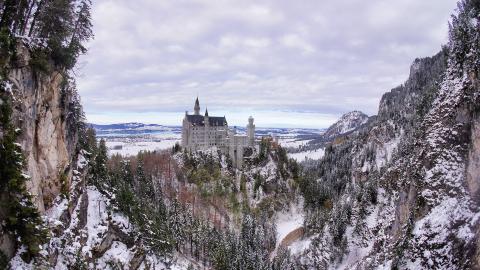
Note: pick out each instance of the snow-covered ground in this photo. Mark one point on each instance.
(291, 141)
(126, 148)
(302, 156)
(128, 139)
(299, 246)
(288, 221)
(130, 144)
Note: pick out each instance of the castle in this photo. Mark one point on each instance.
(201, 132)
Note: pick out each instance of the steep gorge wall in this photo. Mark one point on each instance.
(420, 160)
(39, 111)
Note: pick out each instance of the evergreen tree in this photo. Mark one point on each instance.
(126, 173)
(464, 37)
(145, 183)
(283, 260)
(59, 28)
(82, 30)
(101, 177)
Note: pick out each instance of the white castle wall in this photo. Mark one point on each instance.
(196, 137)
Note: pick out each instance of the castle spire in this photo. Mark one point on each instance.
(196, 108)
(206, 111)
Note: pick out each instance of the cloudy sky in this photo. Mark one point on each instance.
(287, 63)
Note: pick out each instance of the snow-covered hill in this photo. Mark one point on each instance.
(312, 147)
(347, 123)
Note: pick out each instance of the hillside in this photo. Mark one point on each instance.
(401, 192)
(347, 123)
(311, 147)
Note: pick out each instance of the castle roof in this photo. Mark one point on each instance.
(199, 120)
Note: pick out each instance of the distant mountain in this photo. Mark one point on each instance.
(133, 125)
(347, 123)
(133, 129)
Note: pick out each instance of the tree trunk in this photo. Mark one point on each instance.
(8, 12)
(35, 17)
(75, 29)
(27, 17)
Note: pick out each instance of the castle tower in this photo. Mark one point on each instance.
(251, 132)
(196, 109)
(207, 129)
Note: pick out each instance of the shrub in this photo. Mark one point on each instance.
(39, 61)
(64, 188)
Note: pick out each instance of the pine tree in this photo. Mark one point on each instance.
(82, 30)
(464, 37)
(101, 177)
(283, 260)
(145, 183)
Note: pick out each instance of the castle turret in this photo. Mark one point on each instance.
(196, 108)
(205, 118)
(206, 122)
(251, 132)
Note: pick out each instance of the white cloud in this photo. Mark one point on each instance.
(296, 42)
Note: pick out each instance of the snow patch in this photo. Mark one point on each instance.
(303, 156)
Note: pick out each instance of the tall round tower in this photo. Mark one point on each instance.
(251, 132)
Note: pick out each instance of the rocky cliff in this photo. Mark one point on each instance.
(42, 112)
(402, 192)
(40, 103)
(83, 230)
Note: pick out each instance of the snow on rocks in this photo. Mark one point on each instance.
(385, 151)
(81, 160)
(289, 227)
(97, 215)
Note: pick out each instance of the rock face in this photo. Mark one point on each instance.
(407, 183)
(40, 113)
(473, 165)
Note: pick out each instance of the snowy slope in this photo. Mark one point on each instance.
(408, 202)
(86, 231)
(347, 123)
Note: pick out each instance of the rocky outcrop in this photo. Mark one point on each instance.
(114, 233)
(291, 237)
(40, 113)
(39, 102)
(473, 166)
(410, 192)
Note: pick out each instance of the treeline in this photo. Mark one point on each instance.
(328, 193)
(165, 225)
(56, 29)
(54, 32)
